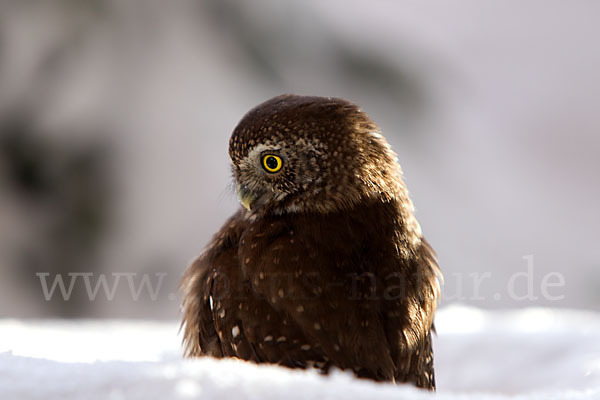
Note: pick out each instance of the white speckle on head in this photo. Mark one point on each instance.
(281, 293)
(235, 331)
(305, 347)
(336, 347)
(300, 308)
(222, 313)
(268, 338)
(281, 339)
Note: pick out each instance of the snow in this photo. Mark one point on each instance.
(521, 354)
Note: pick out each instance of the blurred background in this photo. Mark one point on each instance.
(115, 117)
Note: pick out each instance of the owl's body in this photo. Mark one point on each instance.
(327, 267)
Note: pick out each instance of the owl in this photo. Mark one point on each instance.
(324, 264)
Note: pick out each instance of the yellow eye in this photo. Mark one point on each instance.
(272, 163)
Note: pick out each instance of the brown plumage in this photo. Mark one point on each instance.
(326, 266)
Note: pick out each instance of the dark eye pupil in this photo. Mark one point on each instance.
(271, 162)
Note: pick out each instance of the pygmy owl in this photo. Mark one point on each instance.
(325, 264)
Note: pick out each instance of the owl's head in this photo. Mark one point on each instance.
(311, 154)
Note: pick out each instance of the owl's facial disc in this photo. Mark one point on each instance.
(261, 176)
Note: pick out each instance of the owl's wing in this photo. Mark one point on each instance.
(408, 320)
(223, 316)
(202, 288)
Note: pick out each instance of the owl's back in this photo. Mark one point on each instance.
(346, 289)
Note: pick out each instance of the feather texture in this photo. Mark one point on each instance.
(348, 283)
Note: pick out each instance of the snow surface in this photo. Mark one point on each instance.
(522, 354)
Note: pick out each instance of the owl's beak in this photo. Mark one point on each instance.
(247, 197)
